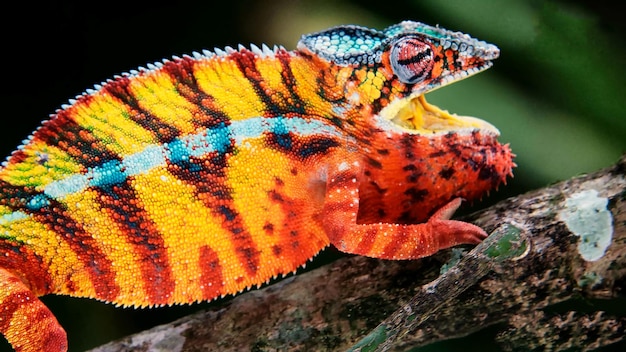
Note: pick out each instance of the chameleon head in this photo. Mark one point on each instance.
(406, 61)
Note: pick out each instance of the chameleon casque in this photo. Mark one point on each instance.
(207, 174)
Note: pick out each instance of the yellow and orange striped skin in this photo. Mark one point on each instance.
(205, 175)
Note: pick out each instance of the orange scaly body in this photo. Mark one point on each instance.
(205, 175)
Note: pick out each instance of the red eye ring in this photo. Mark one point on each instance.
(411, 59)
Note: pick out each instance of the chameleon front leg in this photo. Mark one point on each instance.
(386, 240)
(25, 321)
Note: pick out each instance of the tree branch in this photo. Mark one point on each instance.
(564, 228)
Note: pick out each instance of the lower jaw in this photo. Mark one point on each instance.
(415, 115)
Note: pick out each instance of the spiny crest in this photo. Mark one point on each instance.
(262, 52)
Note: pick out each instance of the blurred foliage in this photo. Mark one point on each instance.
(556, 93)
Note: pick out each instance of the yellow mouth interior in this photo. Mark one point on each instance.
(421, 117)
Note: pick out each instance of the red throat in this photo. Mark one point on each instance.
(414, 175)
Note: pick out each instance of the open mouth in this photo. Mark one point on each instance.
(415, 115)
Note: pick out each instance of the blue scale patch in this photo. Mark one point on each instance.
(109, 173)
(281, 133)
(146, 160)
(37, 202)
(346, 45)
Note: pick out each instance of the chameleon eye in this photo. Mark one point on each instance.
(411, 60)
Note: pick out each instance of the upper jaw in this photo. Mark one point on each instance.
(449, 78)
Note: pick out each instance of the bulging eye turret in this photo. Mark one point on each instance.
(411, 59)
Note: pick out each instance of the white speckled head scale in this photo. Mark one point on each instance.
(346, 45)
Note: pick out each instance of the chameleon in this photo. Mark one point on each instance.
(207, 174)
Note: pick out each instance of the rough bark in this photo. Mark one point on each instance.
(334, 307)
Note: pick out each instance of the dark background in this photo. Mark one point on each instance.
(556, 93)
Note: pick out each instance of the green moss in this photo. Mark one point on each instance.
(371, 341)
(511, 244)
(589, 279)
